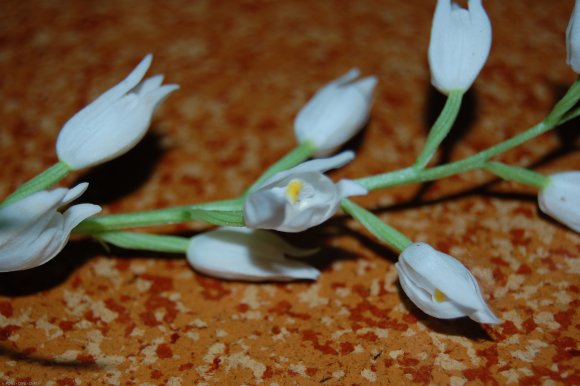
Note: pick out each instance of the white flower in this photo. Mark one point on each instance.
(573, 39)
(299, 198)
(336, 113)
(114, 122)
(32, 231)
(248, 254)
(561, 198)
(440, 285)
(459, 46)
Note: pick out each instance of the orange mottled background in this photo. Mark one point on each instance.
(98, 317)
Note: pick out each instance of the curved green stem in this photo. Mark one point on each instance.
(440, 128)
(228, 212)
(517, 174)
(560, 113)
(381, 230)
(47, 178)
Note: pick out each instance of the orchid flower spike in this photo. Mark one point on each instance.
(335, 113)
(459, 46)
(440, 285)
(560, 199)
(32, 231)
(573, 39)
(114, 122)
(299, 198)
(249, 255)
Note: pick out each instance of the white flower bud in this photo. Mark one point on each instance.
(114, 122)
(561, 198)
(248, 254)
(573, 39)
(32, 231)
(459, 46)
(335, 113)
(440, 285)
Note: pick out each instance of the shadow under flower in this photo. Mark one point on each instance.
(120, 177)
(51, 274)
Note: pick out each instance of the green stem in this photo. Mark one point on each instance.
(381, 230)
(564, 105)
(228, 212)
(517, 174)
(476, 161)
(440, 128)
(298, 155)
(42, 181)
(144, 241)
(408, 175)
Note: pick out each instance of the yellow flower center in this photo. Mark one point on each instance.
(293, 190)
(439, 296)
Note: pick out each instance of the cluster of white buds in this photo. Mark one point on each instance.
(33, 229)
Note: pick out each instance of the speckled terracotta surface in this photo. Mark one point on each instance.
(92, 317)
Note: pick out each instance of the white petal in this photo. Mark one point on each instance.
(241, 254)
(366, 86)
(75, 192)
(459, 46)
(561, 198)
(423, 299)
(347, 188)
(335, 113)
(148, 85)
(114, 123)
(423, 267)
(573, 39)
(33, 231)
(351, 75)
(130, 82)
(322, 165)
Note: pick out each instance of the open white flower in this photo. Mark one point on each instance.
(335, 113)
(440, 285)
(248, 254)
(33, 231)
(573, 39)
(459, 46)
(561, 198)
(299, 198)
(114, 122)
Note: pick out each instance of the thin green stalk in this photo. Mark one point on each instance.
(298, 155)
(47, 178)
(476, 161)
(440, 128)
(564, 105)
(227, 212)
(558, 115)
(381, 230)
(517, 174)
(146, 242)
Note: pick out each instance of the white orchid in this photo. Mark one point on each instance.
(33, 231)
(459, 46)
(248, 254)
(440, 285)
(335, 113)
(114, 122)
(573, 39)
(560, 199)
(299, 198)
